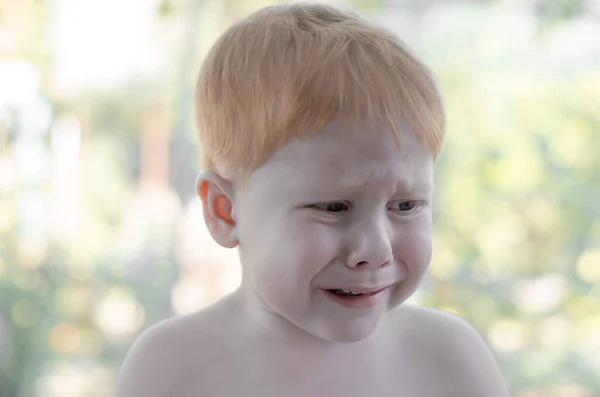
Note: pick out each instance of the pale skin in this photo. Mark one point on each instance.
(345, 209)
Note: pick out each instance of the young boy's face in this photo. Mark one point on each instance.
(344, 210)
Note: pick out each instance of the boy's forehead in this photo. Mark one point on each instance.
(344, 147)
(343, 159)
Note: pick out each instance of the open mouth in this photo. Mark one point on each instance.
(356, 298)
(348, 293)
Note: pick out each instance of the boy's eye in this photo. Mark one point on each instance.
(332, 207)
(336, 207)
(406, 206)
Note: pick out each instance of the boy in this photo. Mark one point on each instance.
(319, 133)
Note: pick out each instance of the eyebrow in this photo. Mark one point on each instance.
(348, 187)
(418, 188)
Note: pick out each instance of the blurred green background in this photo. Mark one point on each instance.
(101, 234)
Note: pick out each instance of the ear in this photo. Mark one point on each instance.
(217, 202)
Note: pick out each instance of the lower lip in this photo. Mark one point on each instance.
(357, 301)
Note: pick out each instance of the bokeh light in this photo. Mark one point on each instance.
(119, 316)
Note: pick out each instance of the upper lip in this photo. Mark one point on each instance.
(362, 289)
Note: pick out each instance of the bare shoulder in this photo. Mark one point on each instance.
(463, 361)
(161, 359)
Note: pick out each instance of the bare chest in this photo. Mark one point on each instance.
(346, 379)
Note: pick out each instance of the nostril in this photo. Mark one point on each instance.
(366, 263)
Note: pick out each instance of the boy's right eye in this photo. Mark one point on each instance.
(332, 207)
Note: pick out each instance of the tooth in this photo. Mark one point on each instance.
(342, 291)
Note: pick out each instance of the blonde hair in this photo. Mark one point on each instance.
(287, 71)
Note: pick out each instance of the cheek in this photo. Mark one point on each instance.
(309, 245)
(316, 245)
(288, 250)
(414, 245)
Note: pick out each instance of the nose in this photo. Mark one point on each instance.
(371, 246)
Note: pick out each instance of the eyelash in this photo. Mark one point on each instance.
(345, 206)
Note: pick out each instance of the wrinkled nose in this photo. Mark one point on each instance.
(371, 246)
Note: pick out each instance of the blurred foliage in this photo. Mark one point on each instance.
(552, 12)
(517, 215)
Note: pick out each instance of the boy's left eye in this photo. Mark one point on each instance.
(406, 206)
